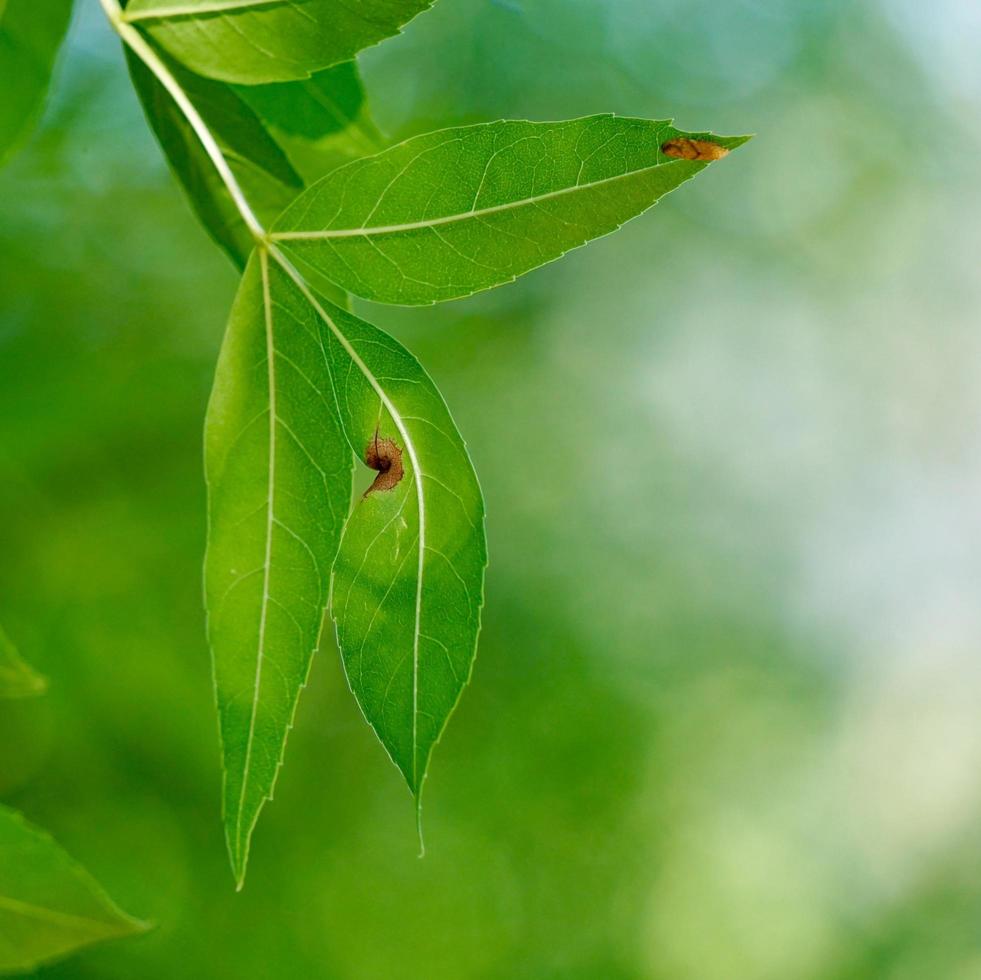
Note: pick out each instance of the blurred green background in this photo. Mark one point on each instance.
(724, 721)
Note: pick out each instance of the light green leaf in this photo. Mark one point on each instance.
(322, 122)
(408, 580)
(450, 213)
(255, 41)
(302, 387)
(255, 158)
(49, 905)
(17, 680)
(279, 479)
(31, 32)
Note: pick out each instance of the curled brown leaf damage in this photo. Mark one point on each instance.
(687, 149)
(385, 456)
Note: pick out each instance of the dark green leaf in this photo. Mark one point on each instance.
(31, 32)
(49, 905)
(255, 41)
(17, 680)
(322, 122)
(258, 162)
(446, 214)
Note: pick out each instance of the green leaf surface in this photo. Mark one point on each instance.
(258, 162)
(31, 32)
(255, 41)
(49, 905)
(322, 122)
(302, 388)
(278, 468)
(17, 680)
(408, 580)
(450, 213)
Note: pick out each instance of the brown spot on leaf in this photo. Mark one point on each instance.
(686, 149)
(384, 456)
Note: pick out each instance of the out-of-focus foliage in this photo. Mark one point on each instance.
(49, 905)
(30, 35)
(17, 680)
(724, 724)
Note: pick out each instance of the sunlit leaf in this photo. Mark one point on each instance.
(17, 680)
(322, 122)
(254, 41)
(256, 159)
(302, 387)
(49, 905)
(446, 214)
(31, 32)
(408, 580)
(279, 478)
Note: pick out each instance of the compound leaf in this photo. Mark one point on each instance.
(31, 33)
(450, 213)
(279, 471)
(255, 41)
(17, 680)
(49, 905)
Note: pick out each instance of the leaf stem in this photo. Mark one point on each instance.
(139, 46)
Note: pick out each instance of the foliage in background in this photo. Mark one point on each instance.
(30, 35)
(49, 905)
(17, 680)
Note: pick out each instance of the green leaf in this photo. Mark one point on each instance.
(31, 32)
(408, 580)
(302, 387)
(322, 122)
(279, 479)
(255, 41)
(17, 680)
(450, 213)
(255, 158)
(49, 905)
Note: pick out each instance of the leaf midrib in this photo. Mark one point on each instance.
(267, 562)
(365, 232)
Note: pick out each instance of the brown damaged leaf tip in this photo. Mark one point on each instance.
(384, 456)
(686, 149)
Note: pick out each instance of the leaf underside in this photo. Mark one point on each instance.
(255, 41)
(450, 213)
(49, 905)
(408, 577)
(278, 468)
